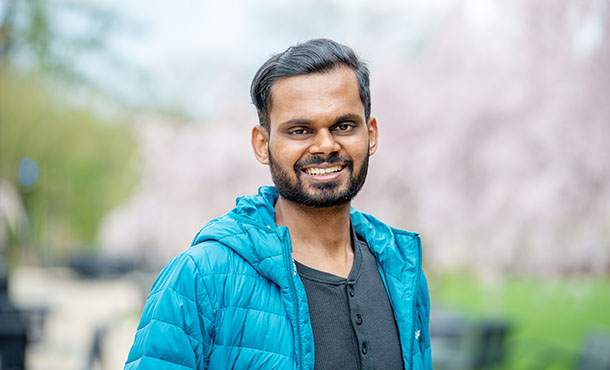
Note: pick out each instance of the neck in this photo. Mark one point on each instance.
(321, 237)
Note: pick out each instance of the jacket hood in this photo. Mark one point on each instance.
(251, 232)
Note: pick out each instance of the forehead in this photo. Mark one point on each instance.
(314, 95)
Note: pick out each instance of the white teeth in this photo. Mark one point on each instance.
(323, 171)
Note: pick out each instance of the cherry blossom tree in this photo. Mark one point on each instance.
(494, 143)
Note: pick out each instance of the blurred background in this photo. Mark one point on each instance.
(124, 128)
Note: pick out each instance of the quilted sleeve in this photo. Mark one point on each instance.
(175, 331)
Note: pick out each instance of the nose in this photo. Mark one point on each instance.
(324, 143)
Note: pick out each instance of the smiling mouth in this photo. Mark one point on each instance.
(317, 171)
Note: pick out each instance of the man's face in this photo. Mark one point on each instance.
(318, 143)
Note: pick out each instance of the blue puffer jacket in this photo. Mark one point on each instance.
(235, 301)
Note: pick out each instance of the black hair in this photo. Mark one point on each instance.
(313, 56)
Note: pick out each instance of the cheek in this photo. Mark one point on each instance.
(283, 154)
(358, 149)
(282, 158)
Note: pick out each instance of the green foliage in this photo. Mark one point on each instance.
(34, 35)
(85, 162)
(550, 318)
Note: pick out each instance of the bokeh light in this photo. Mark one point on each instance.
(28, 171)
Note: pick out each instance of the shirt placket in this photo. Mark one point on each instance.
(358, 324)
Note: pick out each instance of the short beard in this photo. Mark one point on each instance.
(331, 197)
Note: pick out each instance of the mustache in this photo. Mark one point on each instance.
(316, 159)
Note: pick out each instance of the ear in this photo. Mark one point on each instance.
(372, 126)
(260, 139)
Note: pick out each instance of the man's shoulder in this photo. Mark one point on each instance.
(203, 259)
(218, 229)
(232, 240)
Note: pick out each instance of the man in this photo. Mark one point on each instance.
(293, 278)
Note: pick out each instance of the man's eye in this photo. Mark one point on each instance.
(343, 127)
(298, 131)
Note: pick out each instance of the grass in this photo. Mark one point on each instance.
(550, 319)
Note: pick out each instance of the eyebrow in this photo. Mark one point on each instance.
(306, 122)
(348, 117)
(297, 121)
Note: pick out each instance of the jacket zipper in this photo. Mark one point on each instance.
(414, 304)
(415, 295)
(289, 267)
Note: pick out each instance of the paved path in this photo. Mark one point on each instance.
(76, 307)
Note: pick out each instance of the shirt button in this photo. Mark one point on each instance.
(351, 293)
(358, 319)
(364, 348)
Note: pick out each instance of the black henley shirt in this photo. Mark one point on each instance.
(352, 319)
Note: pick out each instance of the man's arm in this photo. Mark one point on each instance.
(176, 326)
